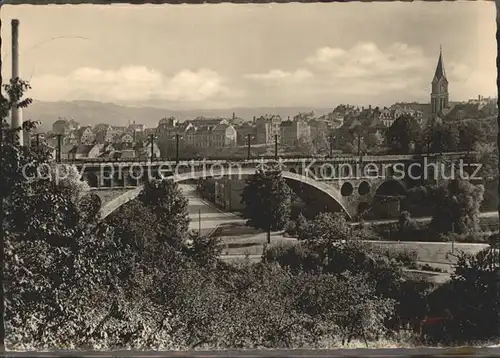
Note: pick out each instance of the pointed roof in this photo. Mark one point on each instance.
(440, 72)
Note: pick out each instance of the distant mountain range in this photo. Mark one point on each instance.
(93, 112)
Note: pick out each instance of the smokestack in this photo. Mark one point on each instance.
(17, 120)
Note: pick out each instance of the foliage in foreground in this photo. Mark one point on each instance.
(141, 280)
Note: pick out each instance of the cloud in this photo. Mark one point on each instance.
(365, 73)
(132, 83)
(366, 60)
(275, 77)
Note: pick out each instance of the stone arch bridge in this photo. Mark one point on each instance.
(347, 184)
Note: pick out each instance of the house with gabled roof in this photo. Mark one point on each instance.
(84, 151)
(86, 135)
(223, 135)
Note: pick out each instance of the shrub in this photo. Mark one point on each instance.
(291, 228)
(471, 296)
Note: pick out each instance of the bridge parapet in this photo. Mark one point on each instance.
(335, 159)
(327, 174)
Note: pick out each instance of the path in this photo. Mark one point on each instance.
(210, 216)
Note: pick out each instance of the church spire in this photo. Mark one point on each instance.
(440, 73)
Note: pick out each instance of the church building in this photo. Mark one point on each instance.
(439, 94)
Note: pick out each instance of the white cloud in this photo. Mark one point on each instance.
(133, 83)
(362, 74)
(279, 77)
(367, 73)
(365, 60)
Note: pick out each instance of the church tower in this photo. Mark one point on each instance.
(439, 94)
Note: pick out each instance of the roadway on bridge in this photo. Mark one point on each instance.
(210, 216)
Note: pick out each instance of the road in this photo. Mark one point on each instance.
(210, 216)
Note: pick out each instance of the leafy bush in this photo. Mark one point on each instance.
(405, 256)
(473, 237)
(291, 228)
(471, 296)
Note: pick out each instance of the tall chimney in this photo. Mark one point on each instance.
(17, 119)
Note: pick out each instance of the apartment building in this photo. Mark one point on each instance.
(267, 127)
(291, 131)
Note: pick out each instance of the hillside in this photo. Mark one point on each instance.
(91, 113)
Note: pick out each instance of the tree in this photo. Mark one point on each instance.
(57, 264)
(470, 135)
(133, 233)
(457, 204)
(358, 133)
(372, 141)
(266, 197)
(471, 296)
(321, 142)
(487, 157)
(326, 227)
(402, 133)
(443, 137)
(205, 251)
(305, 146)
(170, 206)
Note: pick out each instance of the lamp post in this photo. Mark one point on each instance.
(177, 137)
(331, 145)
(249, 138)
(59, 148)
(275, 147)
(359, 144)
(151, 140)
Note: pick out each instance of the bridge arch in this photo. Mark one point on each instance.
(391, 187)
(91, 179)
(332, 192)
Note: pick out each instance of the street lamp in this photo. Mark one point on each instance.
(177, 137)
(359, 144)
(275, 147)
(59, 148)
(249, 138)
(151, 140)
(332, 138)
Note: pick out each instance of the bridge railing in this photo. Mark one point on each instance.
(281, 158)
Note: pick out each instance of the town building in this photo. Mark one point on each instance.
(64, 126)
(145, 151)
(84, 151)
(138, 128)
(208, 136)
(267, 127)
(243, 131)
(168, 131)
(107, 134)
(223, 135)
(292, 131)
(86, 135)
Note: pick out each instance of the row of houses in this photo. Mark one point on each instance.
(136, 140)
(112, 151)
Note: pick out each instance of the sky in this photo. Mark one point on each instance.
(230, 55)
